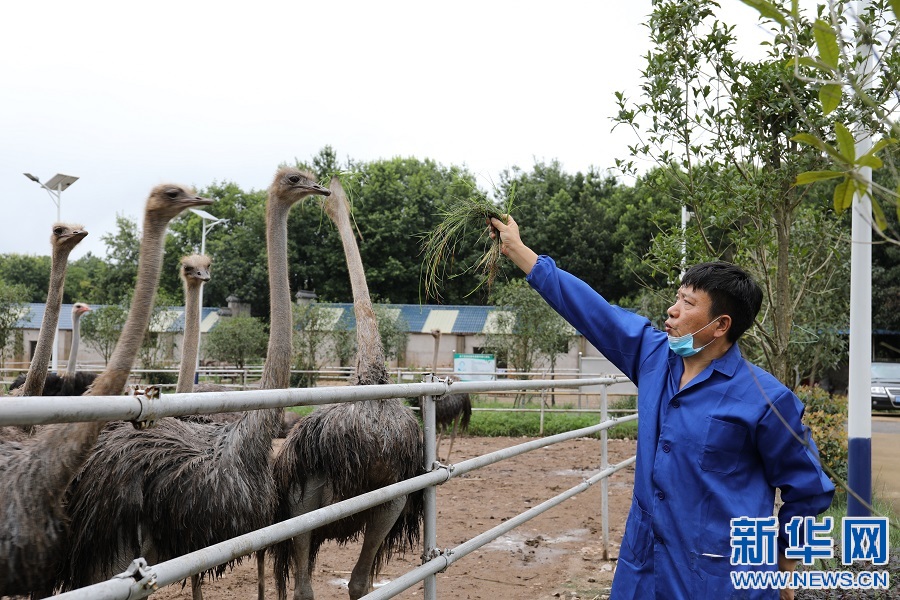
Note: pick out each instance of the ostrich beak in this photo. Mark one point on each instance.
(313, 188)
(78, 234)
(197, 201)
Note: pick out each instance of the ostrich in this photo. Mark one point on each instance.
(194, 273)
(63, 241)
(182, 486)
(36, 472)
(455, 409)
(72, 382)
(451, 409)
(344, 450)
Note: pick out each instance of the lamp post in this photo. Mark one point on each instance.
(55, 187)
(204, 228)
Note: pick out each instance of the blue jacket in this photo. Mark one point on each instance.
(708, 453)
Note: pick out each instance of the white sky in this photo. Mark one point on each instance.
(196, 92)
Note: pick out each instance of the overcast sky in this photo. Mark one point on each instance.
(196, 92)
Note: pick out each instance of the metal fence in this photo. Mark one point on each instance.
(141, 579)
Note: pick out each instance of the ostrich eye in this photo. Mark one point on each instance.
(172, 194)
(294, 179)
(57, 231)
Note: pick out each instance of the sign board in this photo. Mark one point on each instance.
(474, 367)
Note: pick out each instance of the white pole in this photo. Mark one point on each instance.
(859, 418)
(200, 316)
(54, 357)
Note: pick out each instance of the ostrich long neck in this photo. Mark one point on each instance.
(37, 372)
(113, 379)
(68, 445)
(76, 339)
(276, 373)
(255, 431)
(370, 353)
(191, 343)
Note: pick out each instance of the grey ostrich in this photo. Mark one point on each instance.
(450, 409)
(343, 450)
(72, 382)
(36, 472)
(194, 273)
(182, 486)
(63, 240)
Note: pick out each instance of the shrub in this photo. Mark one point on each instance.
(826, 416)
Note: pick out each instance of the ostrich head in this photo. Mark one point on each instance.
(79, 308)
(195, 269)
(167, 200)
(337, 197)
(292, 185)
(65, 236)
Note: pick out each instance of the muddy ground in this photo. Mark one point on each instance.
(557, 555)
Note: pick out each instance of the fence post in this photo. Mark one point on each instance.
(543, 401)
(604, 463)
(430, 517)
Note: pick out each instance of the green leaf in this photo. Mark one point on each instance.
(870, 161)
(811, 140)
(830, 97)
(881, 144)
(768, 10)
(895, 6)
(812, 63)
(811, 176)
(845, 143)
(880, 221)
(843, 195)
(826, 42)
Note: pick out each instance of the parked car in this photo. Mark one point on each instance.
(885, 385)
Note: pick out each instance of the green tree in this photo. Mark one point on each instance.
(13, 303)
(100, 328)
(313, 325)
(237, 341)
(721, 129)
(29, 271)
(526, 330)
(393, 330)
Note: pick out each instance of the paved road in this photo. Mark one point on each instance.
(886, 459)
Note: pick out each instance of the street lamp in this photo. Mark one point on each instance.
(55, 187)
(205, 227)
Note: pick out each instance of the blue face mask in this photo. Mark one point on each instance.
(684, 345)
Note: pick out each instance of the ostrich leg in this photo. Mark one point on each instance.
(311, 498)
(378, 525)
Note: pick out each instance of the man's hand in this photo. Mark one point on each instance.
(511, 244)
(787, 564)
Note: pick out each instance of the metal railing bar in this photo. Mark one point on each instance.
(448, 557)
(179, 568)
(49, 409)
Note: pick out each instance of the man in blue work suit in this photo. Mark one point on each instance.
(716, 434)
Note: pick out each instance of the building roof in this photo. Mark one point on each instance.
(450, 319)
(171, 319)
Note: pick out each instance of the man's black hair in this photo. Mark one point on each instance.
(732, 291)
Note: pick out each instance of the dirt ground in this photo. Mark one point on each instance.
(557, 555)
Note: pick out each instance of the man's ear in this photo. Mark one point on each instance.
(722, 326)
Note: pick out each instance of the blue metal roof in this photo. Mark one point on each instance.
(34, 315)
(420, 318)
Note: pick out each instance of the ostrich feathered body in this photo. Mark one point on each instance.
(61, 385)
(168, 491)
(356, 447)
